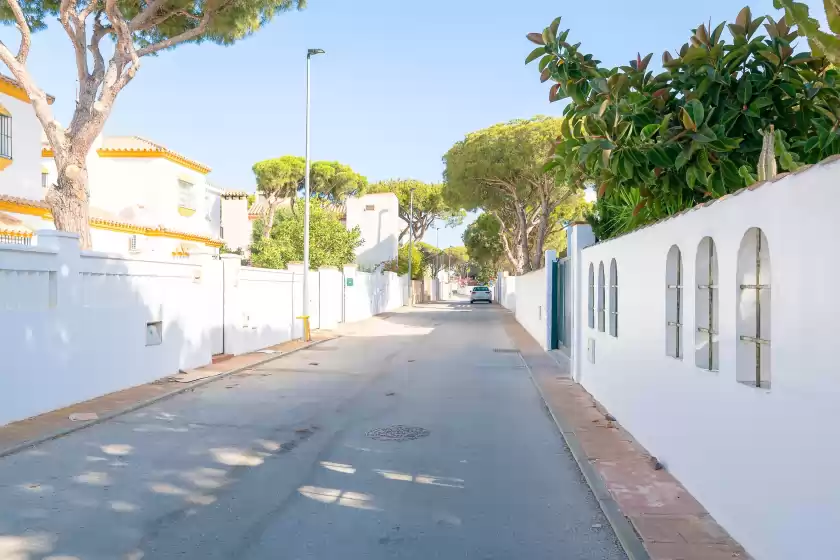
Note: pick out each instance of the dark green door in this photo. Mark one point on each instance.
(558, 321)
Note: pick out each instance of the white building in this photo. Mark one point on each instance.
(144, 197)
(377, 216)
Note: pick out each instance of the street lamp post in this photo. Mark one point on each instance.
(410, 246)
(309, 54)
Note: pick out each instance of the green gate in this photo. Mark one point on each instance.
(558, 310)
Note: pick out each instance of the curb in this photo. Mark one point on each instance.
(143, 404)
(623, 529)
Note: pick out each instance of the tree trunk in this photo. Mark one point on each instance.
(269, 220)
(68, 201)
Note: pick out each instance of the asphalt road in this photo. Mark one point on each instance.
(278, 463)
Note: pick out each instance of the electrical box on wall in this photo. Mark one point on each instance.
(590, 350)
(154, 333)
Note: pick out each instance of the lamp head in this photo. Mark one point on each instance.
(312, 52)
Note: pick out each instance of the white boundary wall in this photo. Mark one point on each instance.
(75, 325)
(506, 291)
(530, 307)
(762, 461)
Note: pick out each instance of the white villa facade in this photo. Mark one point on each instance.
(144, 197)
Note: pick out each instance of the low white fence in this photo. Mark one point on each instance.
(76, 324)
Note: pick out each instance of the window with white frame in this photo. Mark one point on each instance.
(186, 194)
(601, 298)
(753, 326)
(45, 179)
(706, 354)
(208, 207)
(674, 303)
(613, 298)
(591, 299)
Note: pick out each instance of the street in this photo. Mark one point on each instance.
(415, 435)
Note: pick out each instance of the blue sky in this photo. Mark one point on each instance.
(402, 80)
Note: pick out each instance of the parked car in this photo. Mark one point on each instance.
(481, 293)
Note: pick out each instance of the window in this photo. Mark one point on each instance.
(132, 243)
(208, 207)
(753, 353)
(591, 301)
(601, 297)
(45, 178)
(706, 307)
(185, 195)
(5, 133)
(674, 303)
(613, 298)
(370, 208)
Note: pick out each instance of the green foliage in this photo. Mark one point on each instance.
(482, 240)
(329, 180)
(227, 22)
(490, 167)
(280, 177)
(501, 170)
(335, 181)
(330, 243)
(665, 142)
(429, 204)
(400, 265)
(457, 259)
(822, 43)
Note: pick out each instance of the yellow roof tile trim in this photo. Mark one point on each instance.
(144, 153)
(40, 209)
(12, 88)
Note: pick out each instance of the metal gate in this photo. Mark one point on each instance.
(558, 310)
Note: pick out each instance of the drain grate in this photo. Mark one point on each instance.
(322, 348)
(397, 433)
(506, 350)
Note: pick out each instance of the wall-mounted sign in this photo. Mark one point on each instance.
(349, 282)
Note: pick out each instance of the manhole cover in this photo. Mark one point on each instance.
(397, 433)
(506, 350)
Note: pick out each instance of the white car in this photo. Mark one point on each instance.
(481, 293)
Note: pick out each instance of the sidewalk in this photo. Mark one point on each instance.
(640, 501)
(25, 433)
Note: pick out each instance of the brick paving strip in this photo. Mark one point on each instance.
(653, 515)
(27, 433)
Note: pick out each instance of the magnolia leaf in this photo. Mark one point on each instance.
(760, 103)
(650, 131)
(544, 61)
(535, 54)
(536, 38)
(687, 122)
(553, 93)
(546, 36)
(704, 135)
(555, 25)
(682, 159)
(746, 175)
(744, 89)
(695, 110)
(545, 75)
(744, 17)
(603, 108)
